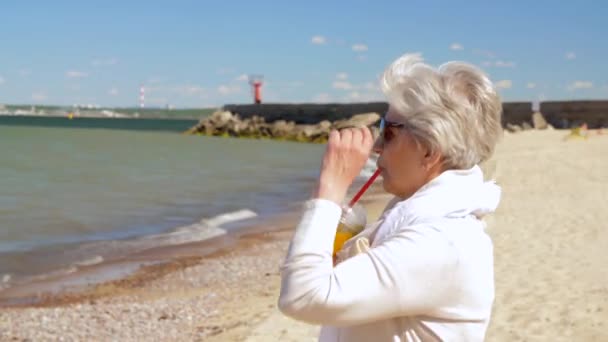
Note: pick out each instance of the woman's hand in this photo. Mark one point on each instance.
(346, 154)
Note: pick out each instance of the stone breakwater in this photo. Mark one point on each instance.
(227, 124)
(559, 114)
(313, 122)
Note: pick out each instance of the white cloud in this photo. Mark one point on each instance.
(416, 54)
(456, 47)
(190, 90)
(104, 62)
(228, 89)
(342, 85)
(498, 64)
(76, 74)
(365, 90)
(485, 53)
(318, 40)
(362, 58)
(342, 76)
(363, 96)
(39, 96)
(371, 86)
(580, 85)
(359, 47)
(242, 78)
(2, 80)
(504, 64)
(570, 55)
(504, 84)
(355, 95)
(323, 97)
(180, 90)
(531, 85)
(541, 97)
(113, 92)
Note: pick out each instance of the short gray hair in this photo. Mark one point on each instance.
(454, 110)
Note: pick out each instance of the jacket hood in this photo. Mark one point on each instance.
(453, 194)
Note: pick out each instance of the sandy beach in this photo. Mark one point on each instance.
(549, 235)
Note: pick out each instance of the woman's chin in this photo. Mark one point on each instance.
(386, 184)
(389, 187)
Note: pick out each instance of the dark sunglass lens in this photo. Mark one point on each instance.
(387, 134)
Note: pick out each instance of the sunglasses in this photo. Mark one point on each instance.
(388, 134)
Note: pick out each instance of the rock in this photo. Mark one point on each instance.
(310, 133)
(526, 126)
(258, 120)
(251, 127)
(513, 128)
(359, 120)
(236, 128)
(224, 123)
(324, 125)
(538, 121)
(307, 131)
(220, 118)
(265, 131)
(206, 128)
(282, 128)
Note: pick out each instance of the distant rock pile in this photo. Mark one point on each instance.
(538, 122)
(224, 123)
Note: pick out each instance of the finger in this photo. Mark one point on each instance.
(346, 137)
(357, 138)
(368, 138)
(334, 139)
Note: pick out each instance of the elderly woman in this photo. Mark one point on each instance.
(428, 274)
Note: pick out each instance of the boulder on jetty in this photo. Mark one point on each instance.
(538, 121)
(224, 123)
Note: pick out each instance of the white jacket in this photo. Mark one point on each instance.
(428, 276)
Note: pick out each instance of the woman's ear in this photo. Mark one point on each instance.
(432, 159)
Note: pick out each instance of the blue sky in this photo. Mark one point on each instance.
(198, 53)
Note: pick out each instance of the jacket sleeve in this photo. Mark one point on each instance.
(408, 274)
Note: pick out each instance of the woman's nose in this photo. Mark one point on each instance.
(378, 144)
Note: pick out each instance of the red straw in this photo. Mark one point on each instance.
(364, 188)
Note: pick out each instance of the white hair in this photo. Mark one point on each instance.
(454, 109)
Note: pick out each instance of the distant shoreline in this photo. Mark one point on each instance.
(104, 112)
(94, 122)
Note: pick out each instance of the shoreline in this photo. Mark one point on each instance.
(221, 295)
(132, 268)
(93, 281)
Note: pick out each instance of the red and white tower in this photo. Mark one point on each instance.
(256, 82)
(142, 92)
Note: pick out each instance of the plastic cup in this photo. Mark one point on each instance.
(352, 222)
